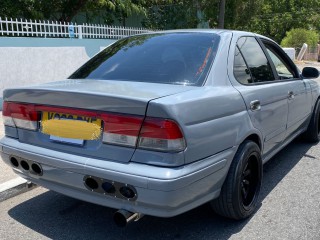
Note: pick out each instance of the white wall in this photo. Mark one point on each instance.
(291, 52)
(28, 61)
(21, 66)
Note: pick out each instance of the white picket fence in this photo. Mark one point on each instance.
(55, 29)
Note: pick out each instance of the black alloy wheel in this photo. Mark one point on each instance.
(249, 182)
(240, 192)
(312, 134)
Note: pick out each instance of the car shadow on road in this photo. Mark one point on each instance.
(59, 217)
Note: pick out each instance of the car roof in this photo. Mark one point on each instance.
(204, 30)
(199, 30)
(216, 31)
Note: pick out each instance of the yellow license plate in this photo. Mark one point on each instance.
(70, 126)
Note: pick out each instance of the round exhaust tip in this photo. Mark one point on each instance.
(123, 217)
(91, 183)
(119, 219)
(25, 165)
(127, 192)
(36, 168)
(14, 162)
(108, 187)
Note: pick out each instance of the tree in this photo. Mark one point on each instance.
(274, 18)
(221, 14)
(66, 10)
(171, 14)
(296, 37)
(124, 8)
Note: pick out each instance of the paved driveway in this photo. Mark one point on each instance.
(5, 171)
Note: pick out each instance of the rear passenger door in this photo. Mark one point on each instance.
(299, 97)
(265, 96)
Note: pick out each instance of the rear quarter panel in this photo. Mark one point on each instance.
(315, 90)
(212, 119)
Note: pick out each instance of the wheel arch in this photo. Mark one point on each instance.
(254, 138)
(229, 204)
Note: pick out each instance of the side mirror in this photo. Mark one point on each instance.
(310, 72)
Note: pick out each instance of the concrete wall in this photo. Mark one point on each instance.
(291, 52)
(28, 61)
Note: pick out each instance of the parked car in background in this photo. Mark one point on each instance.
(161, 123)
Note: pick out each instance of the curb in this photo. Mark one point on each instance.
(14, 187)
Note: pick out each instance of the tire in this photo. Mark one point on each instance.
(312, 134)
(239, 194)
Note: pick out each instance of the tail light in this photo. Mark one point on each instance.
(126, 130)
(121, 129)
(20, 115)
(155, 134)
(161, 134)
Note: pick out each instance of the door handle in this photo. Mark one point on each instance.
(290, 95)
(255, 105)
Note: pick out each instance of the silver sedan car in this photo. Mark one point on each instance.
(161, 123)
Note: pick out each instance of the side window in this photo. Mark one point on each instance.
(283, 69)
(240, 69)
(256, 59)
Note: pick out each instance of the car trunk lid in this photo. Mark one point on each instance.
(90, 105)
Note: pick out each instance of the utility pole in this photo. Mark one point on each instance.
(222, 9)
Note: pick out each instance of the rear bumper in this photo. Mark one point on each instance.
(162, 192)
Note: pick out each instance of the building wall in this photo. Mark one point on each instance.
(29, 61)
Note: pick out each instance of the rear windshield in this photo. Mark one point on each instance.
(171, 58)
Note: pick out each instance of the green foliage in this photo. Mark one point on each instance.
(65, 10)
(272, 18)
(174, 15)
(296, 37)
(19, 8)
(124, 8)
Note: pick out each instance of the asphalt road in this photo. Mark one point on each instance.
(290, 209)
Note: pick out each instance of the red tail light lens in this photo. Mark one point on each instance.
(121, 129)
(20, 115)
(161, 134)
(156, 133)
(128, 130)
